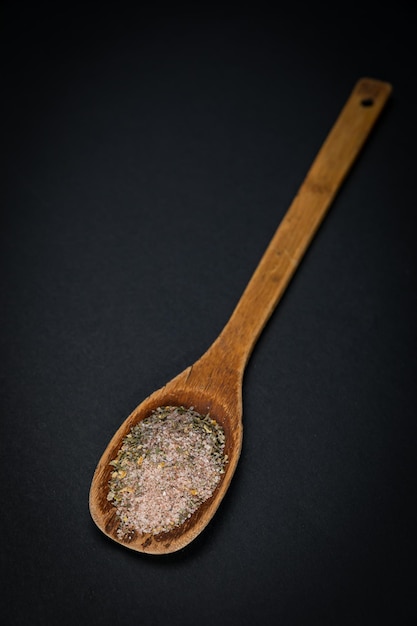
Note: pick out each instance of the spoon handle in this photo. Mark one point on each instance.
(301, 222)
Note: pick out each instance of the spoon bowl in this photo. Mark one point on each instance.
(188, 389)
(214, 383)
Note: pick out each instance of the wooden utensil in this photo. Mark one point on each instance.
(214, 383)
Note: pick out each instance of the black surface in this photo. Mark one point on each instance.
(149, 157)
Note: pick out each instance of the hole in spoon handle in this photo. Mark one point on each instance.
(299, 225)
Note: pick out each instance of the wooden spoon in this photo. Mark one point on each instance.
(214, 383)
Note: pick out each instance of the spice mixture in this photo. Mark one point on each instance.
(167, 466)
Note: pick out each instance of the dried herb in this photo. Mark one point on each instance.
(167, 466)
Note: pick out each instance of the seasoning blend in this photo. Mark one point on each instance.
(167, 466)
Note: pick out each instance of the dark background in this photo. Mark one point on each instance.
(149, 156)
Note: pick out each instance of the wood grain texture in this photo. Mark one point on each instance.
(214, 383)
